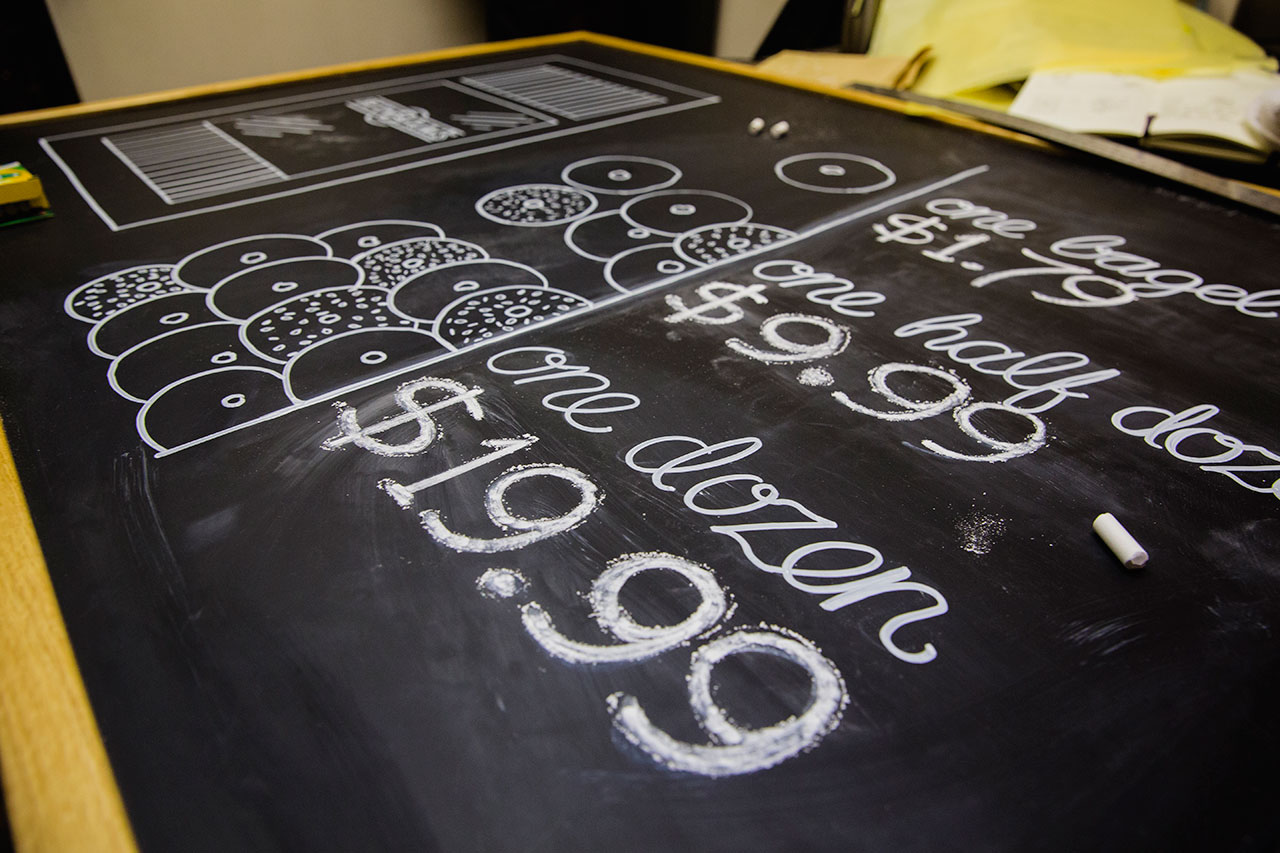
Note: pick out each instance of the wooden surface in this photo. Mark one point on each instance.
(57, 784)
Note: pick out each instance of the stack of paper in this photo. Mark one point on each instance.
(1198, 114)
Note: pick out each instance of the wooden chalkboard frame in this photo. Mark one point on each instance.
(58, 784)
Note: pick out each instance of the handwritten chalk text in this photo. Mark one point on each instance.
(771, 518)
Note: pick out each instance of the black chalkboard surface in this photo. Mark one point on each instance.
(514, 452)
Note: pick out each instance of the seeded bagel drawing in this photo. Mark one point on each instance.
(536, 205)
(97, 300)
(486, 313)
(713, 243)
(387, 266)
(282, 331)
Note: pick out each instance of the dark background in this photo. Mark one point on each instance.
(33, 71)
(281, 659)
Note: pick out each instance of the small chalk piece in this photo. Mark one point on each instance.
(1119, 540)
(756, 127)
(779, 130)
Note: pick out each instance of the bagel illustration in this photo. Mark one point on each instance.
(97, 300)
(486, 313)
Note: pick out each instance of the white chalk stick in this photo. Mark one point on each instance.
(756, 127)
(1119, 540)
(779, 130)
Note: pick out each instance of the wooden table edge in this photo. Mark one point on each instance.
(58, 785)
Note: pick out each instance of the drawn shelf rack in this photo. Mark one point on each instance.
(503, 449)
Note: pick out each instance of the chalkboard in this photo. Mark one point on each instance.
(514, 451)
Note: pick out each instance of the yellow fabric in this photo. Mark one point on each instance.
(978, 44)
(841, 69)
